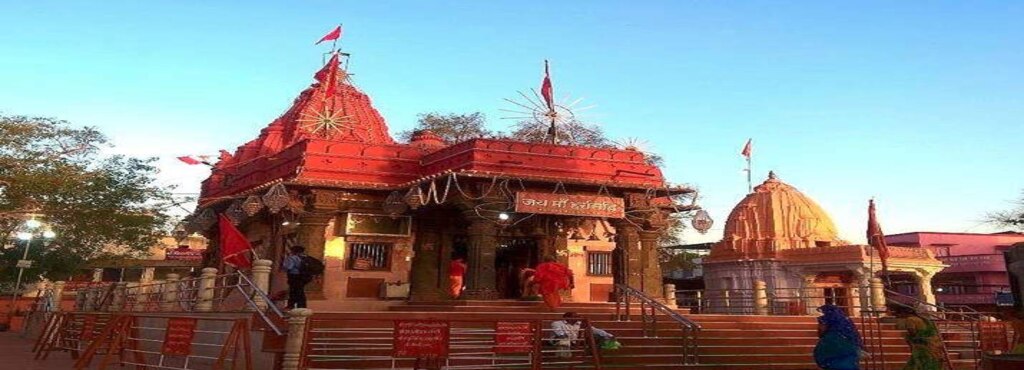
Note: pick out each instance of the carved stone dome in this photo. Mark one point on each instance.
(775, 217)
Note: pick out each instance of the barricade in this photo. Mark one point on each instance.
(69, 332)
(335, 342)
(173, 343)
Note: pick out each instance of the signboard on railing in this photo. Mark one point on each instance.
(183, 253)
(421, 338)
(570, 205)
(178, 336)
(993, 336)
(513, 337)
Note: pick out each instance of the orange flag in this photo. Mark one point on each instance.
(546, 90)
(747, 149)
(331, 36)
(234, 247)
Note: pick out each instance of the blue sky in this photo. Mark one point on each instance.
(919, 105)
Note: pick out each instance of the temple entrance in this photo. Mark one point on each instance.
(513, 255)
(839, 296)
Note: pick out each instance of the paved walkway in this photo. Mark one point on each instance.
(16, 354)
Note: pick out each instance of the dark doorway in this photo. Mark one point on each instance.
(514, 254)
(839, 296)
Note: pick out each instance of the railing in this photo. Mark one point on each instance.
(958, 320)
(340, 342)
(233, 292)
(779, 301)
(650, 311)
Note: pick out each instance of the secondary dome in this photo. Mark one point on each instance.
(775, 217)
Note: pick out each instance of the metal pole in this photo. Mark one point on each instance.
(21, 271)
(750, 181)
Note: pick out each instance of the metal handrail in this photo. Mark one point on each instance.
(625, 294)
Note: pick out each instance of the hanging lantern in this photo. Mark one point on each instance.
(394, 204)
(702, 221)
(414, 197)
(252, 205)
(276, 198)
(235, 213)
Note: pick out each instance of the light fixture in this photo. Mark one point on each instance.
(49, 234)
(939, 289)
(33, 223)
(503, 216)
(24, 235)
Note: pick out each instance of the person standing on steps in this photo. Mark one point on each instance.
(839, 345)
(456, 272)
(923, 337)
(550, 279)
(301, 269)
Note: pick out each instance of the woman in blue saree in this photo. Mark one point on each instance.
(839, 344)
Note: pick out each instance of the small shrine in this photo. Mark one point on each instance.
(781, 237)
(388, 217)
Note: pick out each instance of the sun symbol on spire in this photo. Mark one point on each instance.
(327, 123)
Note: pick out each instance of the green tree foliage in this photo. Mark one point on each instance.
(453, 128)
(574, 133)
(1013, 218)
(98, 206)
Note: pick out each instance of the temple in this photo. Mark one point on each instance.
(387, 217)
(780, 237)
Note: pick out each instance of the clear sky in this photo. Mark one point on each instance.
(918, 104)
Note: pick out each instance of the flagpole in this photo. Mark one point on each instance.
(750, 181)
(334, 43)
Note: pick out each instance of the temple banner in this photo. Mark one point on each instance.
(178, 336)
(183, 253)
(570, 205)
(513, 337)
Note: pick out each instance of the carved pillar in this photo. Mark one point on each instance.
(760, 297)
(863, 289)
(425, 278)
(650, 266)
(877, 294)
(924, 284)
(207, 290)
(627, 251)
(483, 243)
(170, 293)
(297, 319)
(261, 270)
(58, 294)
(810, 295)
(312, 234)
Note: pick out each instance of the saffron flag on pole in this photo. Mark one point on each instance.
(876, 238)
(189, 160)
(328, 76)
(234, 247)
(747, 149)
(331, 36)
(546, 90)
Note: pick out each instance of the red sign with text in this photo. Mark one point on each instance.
(178, 338)
(993, 336)
(570, 205)
(421, 338)
(88, 327)
(513, 337)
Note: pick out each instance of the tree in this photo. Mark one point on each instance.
(1013, 218)
(572, 133)
(98, 206)
(453, 128)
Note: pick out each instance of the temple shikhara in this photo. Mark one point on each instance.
(387, 217)
(780, 237)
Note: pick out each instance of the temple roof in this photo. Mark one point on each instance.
(332, 136)
(775, 217)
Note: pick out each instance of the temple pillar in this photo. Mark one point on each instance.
(560, 249)
(863, 292)
(483, 244)
(924, 284)
(627, 253)
(425, 277)
(650, 264)
(810, 295)
(312, 234)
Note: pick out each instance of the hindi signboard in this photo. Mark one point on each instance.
(513, 337)
(183, 254)
(570, 205)
(421, 338)
(993, 336)
(179, 335)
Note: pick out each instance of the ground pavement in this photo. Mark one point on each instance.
(16, 353)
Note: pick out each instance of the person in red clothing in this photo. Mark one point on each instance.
(552, 277)
(456, 271)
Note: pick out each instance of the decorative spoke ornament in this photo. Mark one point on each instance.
(252, 205)
(327, 123)
(414, 198)
(702, 221)
(276, 198)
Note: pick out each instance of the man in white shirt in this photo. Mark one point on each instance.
(566, 332)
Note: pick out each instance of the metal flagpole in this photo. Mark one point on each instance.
(750, 181)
